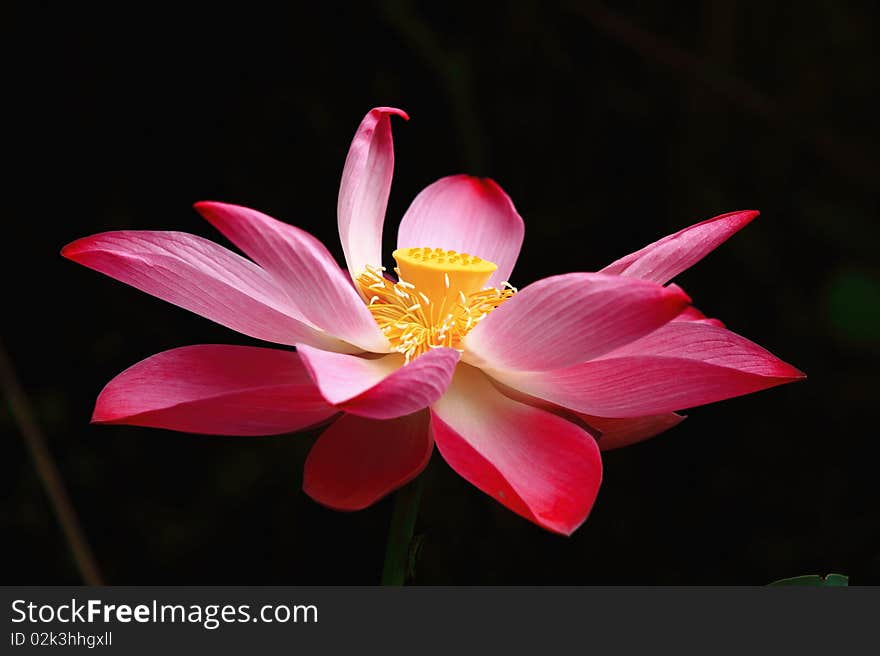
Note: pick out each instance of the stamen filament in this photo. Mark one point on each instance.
(423, 312)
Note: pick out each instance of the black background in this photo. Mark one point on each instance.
(608, 127)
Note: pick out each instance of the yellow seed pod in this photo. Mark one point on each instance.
(442, 273)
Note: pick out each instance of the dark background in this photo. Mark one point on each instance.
(610, 126)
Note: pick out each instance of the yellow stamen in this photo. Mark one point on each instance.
(451, 288)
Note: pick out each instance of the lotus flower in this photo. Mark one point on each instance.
(519, 390)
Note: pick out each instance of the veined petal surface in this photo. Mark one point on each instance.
(681, 365)
(358, 460)
(567, 319)
(380, 388)
(215, 389)
(202, 277)
(303, 267)
(537, 464)
(667, 257)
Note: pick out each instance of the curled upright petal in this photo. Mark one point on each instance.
(202, 277)
(363, 193)
(303, 268)
(562, 320)
(681, 365)
(666, 258)
(217, 390)
(469, 215)
(537, 464)
(380, 388)
(358, 460)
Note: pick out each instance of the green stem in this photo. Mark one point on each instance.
(400, 533)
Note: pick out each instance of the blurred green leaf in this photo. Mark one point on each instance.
(853, 302)
(832, 580)
(415, 549)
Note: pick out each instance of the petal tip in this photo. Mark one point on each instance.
(391, 111)
(678, 296)
(681, 296)
(67, 250)
(102, 414)
(82, 247)
(747, 216)
(72, 250)
(568, 532)
(743, 217)
(485, 185)
(567, 529)
(99, 417)
(787, 372)
(208, 208)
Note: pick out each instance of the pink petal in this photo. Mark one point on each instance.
(665, 259)
(217, 390)
(202, 277)
(543, 404)
(363, 193)
(380, 388)
(691, 313)
(563, 320)
(681, 365)
(302, 266)
(469, 215)
(537, 464)
(616, 433)
(357, 461)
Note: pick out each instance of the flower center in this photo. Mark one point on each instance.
(438, 298)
